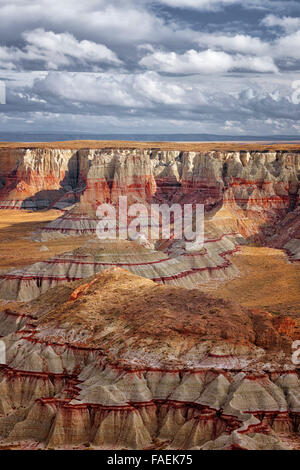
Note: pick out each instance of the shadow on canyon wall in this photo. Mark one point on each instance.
(69, 192)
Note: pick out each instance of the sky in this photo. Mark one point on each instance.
(227, 67)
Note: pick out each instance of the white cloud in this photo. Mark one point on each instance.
(112, 22)
(287, 23)
(198, 74)
(205, 62)
(132, 102)
(105, 89)
(113, 89)
(235, 43)
(95, 28)
(57, 50)
(152, 87)
(5, 59)
(218, 4)
(288, 46)
(198, 4)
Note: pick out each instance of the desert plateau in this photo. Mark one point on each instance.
(141, 343)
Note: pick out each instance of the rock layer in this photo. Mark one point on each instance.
(252, 180)
(37, 179)
(75, 376)
(132, 359)
(246, 194)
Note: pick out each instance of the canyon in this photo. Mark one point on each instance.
(141, 344)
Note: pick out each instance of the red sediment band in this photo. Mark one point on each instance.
(161, 370)
(256, 377)
(129, 369)
(160, 279)
(11, 372)
(218, 356)
(274, 414)
(53, 401)
(25, 331)
(192, 271)
(36, 277)
(18, 315)
(90, 263)
(264, 200)
(46, 343)
(205, 412)
(124, 368)
(146, 263)
(256, 428)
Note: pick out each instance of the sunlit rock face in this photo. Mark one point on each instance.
(247, 196)
(252, 180)
(151, 367)
(113, 344)
(37, 178)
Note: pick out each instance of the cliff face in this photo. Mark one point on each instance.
(129, 358)
(110, 174)
(260, 187)
(248, 196)
(37, 178)
(249, 179)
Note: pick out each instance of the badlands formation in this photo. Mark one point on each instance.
(141, 344)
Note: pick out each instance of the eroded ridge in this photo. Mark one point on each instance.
(106, 347)
(120, 371)
(249, 196)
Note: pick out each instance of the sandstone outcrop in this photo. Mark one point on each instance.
(153, 367)
(37, 179)
(259, 184)
(113, 344)
(185, 269)
(248, 196)
(260, 181)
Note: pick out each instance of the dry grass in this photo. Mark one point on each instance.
(17, 251)
(118, 307)
(182, 146)
(127, 314)
(267, 280)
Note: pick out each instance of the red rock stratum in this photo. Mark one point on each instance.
(142, 344)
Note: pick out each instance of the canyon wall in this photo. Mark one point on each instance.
(248, 197)
(130, 358)
(37, 178)
(250, 180)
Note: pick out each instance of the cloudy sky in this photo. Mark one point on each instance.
(151, 66)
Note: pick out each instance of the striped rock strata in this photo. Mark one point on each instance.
(246, 194)
(260, 181)
(190, 374)
(37, 178)
(185, 269)
(287, 235)
(254, 183)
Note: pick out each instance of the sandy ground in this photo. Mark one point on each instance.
(182, 146)
(17, 251)
(267, 281)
